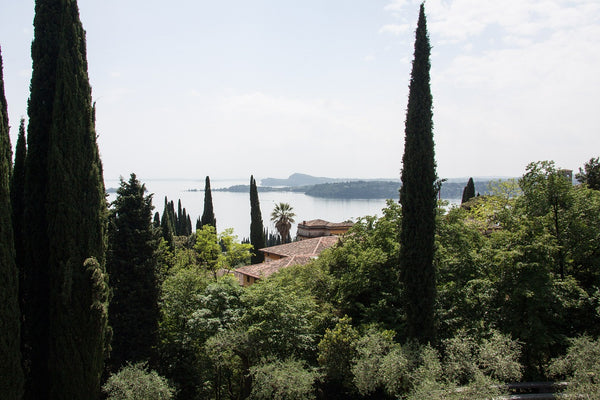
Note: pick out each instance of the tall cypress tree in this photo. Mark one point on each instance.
(166, 225)
(208, 215)
(179, 227)
(156, 220)
(11, 373)
(17, 189)
(418, 196)
(468, 191)
(172, 217)
(66, 289)
(133, 311)
(257, 235)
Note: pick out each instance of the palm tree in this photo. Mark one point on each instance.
(283, 217)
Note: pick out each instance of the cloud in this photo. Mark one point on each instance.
(513, 81)
(397, 5)
(394, 29)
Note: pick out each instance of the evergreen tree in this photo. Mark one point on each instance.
(257, 236)
(418, 197)
(468, 191)
(11, 373)
(7, 149)
(17, 192)
(590, 175)
(172, 217)
(208, 216)
(66, 289)
(179, 228)
(186, 223)
(133, 310)
(17, 187)
(167, 226)
(189, 225)
(156, 222)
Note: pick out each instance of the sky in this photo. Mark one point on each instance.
(190, 88)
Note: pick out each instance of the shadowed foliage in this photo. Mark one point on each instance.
(418, 196)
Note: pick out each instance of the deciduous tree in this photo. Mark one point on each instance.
(590, 175)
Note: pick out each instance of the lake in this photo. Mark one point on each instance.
(232, 210)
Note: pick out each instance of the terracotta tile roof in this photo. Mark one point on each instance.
(309, 247)
(323, 223)
(263, 270)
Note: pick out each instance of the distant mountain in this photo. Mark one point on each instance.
(298, 179)
(348, 188)
(355, 190)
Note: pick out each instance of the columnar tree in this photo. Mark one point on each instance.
(66, 291)
(17, 189)
(133, 310)
(418, 196)
(208, 216)
(257, 235)
(166, 225)
(468, 191)
(17, 193)
(11, 374)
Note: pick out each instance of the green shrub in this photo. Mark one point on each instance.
(135, 382)
(581, 367)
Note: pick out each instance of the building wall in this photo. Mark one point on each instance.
(245, 280)
(272, 257)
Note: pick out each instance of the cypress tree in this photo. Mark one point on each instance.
(167, 226)
(133, 310)
(418, 197)
(17, 188)
(7, 148)
(11, 373)
(156, 220)
(172, 217)
(179, 225)
(468, 192)
(189, 225)
(66, 289)
(208, 216)
(257, 236)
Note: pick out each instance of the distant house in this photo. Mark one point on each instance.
(282, 256)
(318, 227)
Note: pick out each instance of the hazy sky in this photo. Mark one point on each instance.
(189, 88)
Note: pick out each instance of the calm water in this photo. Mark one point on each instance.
(232, 210)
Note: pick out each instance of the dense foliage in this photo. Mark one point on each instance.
(11, 373)
(257, 233)
(133, 271)
(283, 218)
(208, 215)
(418, 196)
(65, 284)
(468, 192)
(135, 382)
(507, 285)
